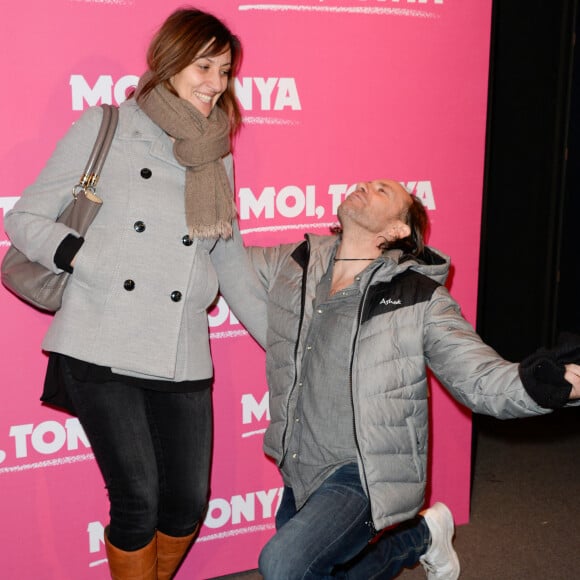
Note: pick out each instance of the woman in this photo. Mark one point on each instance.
(130, 343)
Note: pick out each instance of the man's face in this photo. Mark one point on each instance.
(375, 205)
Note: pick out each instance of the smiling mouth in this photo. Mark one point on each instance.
(203, 98)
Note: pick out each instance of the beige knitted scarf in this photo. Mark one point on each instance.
(200, 144)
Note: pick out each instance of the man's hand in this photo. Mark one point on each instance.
(572, 375)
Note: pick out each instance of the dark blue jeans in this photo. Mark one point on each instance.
(153, 449)
(331, 536)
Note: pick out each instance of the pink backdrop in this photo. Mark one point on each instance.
(333, 92)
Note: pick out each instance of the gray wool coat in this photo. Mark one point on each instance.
(158, 329)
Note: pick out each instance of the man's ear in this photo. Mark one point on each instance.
(397, 230)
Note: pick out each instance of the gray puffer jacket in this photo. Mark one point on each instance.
(407, 321)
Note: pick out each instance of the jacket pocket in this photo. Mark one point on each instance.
(418, 459)
(88, 269)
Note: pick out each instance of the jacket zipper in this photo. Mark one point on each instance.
(302, 308)
(354, 420)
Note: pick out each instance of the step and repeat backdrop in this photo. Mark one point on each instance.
(333, 92)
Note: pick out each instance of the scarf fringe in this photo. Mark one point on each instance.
(219, 230)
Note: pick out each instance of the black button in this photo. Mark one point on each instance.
(176, 296)
(146, 173)
(186, 240)
(129, 285)
(139, 226)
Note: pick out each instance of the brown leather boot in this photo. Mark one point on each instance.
(137, 565)
(170, 552)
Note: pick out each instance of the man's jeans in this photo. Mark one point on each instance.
(329, 536)
(153, 449)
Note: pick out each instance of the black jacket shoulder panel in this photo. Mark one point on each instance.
(406, 289)
(302, 254)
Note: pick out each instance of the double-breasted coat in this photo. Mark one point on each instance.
(138, 297)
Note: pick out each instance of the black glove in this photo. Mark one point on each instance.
(542, 373)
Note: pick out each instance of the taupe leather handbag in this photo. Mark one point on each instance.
(30, 280)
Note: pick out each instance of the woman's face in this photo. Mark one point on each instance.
(203, 81)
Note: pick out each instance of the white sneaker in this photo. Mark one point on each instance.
(440, 560)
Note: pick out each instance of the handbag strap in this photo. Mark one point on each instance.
(101, 147)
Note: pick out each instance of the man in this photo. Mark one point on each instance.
(353, 321)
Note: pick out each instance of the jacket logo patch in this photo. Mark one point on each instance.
(389, 301)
